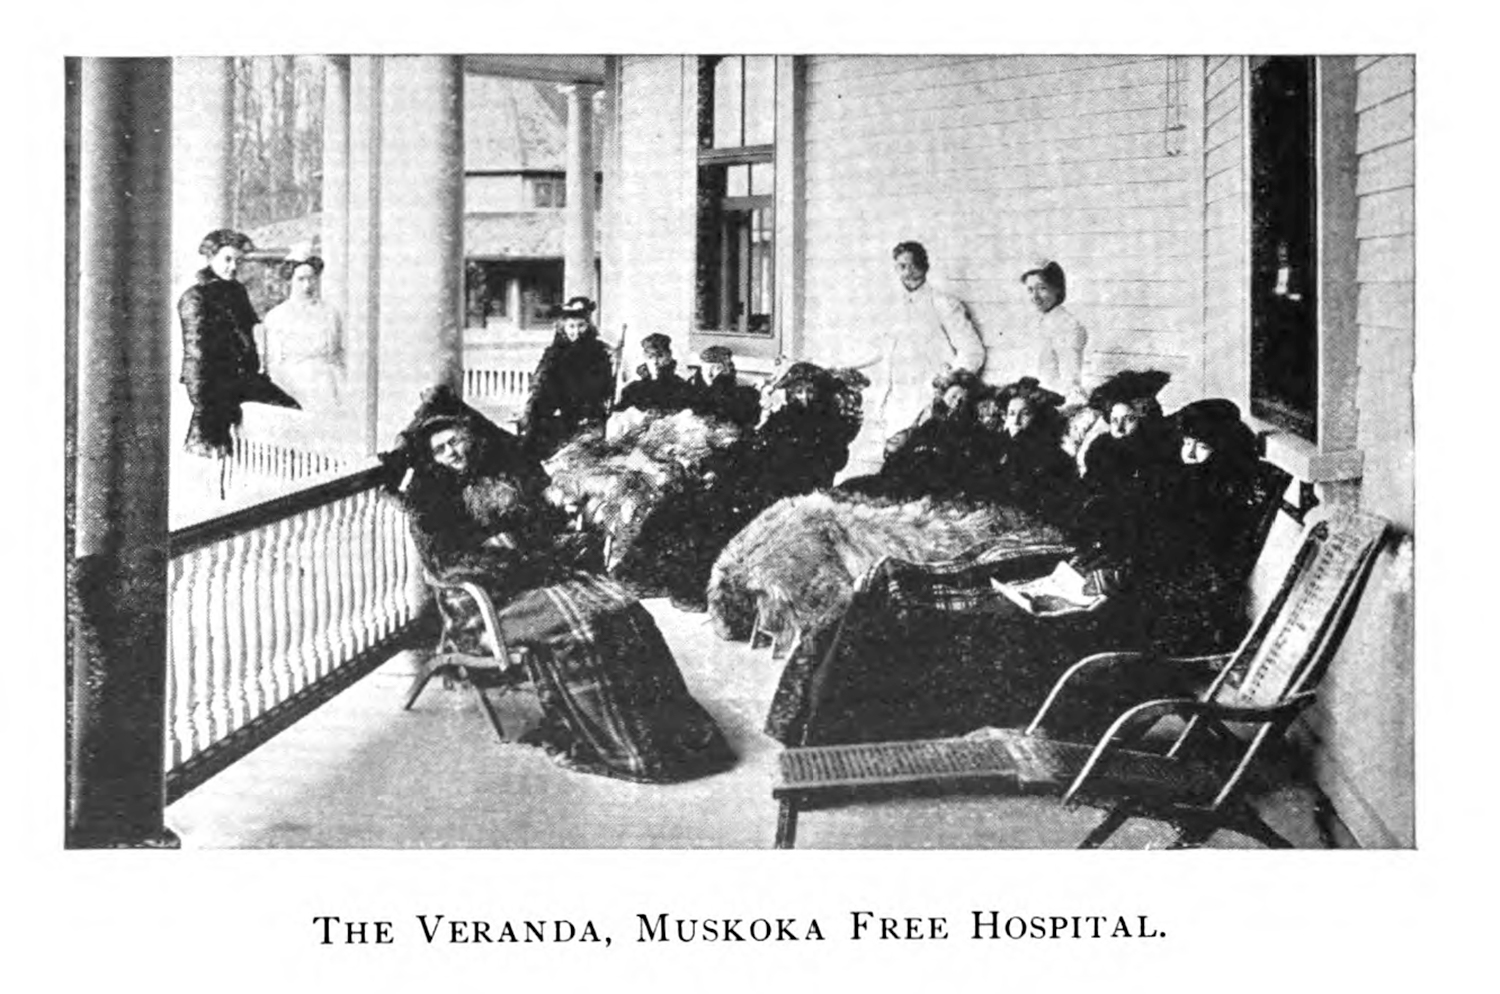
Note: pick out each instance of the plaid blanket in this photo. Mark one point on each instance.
(613, 700)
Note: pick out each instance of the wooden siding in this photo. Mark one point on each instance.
(1365, 761)
(992, 162)
(657, 239)
(1226, 210)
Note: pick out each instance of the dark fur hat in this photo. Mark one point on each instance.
(576, 307)
(720, 355)
(1127, 387)
(1216, 422)
(657, 346)
(1031, 390)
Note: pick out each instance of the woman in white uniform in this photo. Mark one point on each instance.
(1060, 337)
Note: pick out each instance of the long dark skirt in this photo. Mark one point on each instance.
(613, 700)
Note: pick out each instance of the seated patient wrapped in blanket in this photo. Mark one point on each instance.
(613, 700)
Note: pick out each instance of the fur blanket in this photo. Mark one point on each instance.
(616, 483)
(796, 565)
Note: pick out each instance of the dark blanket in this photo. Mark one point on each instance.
(929, 650)
(613, 700)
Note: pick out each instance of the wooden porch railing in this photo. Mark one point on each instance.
(273, 610)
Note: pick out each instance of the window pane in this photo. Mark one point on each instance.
(739, 181)
(541, 193)
(1283, 260)
(762, 179)
(760, 99)
(728, 80)
(761, 287)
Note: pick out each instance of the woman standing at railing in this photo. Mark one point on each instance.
(574, 383)
(613, 700)
(305, 338)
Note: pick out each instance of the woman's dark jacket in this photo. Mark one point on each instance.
(727, 399)
(1030, 471)
(664, 393)
(572, 389)
(798, 450)
(220, 363)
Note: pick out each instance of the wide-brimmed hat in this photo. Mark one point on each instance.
(955, 378)
(804, 373)
(657, 346)
(719, 355)
(576, 307)
(1216, 422)
(1128, 387)
(1031, 390)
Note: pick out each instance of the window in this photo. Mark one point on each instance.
(736, 186)
(1284, 277)
(549, 193)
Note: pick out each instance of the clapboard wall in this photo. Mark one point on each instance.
(1366, 763)
(994, 161)
(1226, 236)
(651, 276)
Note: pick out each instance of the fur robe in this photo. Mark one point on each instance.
(795, 566)
(617, 484)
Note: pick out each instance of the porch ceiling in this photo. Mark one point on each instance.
(549, 68)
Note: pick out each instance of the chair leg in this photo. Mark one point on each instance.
(426, 670)
(786, 824)
(489, 709)
(1114, 819)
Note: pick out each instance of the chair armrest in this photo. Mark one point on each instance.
(1153, 711)
(1103, 659)
(487, 613)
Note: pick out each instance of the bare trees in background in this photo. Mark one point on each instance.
(278, 138)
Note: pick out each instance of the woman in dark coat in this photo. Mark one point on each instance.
(932, 458)
(803, 445)
(613, 700)
(657, 389)
(220, 363)
(1033, 472)
(573, 385)
(1125, 469)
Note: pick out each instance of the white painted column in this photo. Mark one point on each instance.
(120, 446)
(421, 234)
(335, 209)
(578, 233)
(362, 317)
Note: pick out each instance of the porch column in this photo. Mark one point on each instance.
(202, 156)
(578, 217)
(335, 208)
(362, 318)
(421, 234)
(118, 595)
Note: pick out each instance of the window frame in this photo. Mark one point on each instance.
(1333, 455)
(707, 223)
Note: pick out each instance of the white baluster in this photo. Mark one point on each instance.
(260, 686)
(280, 570)
(317, 580)
(180, 664)
(218, 634)
(342, 645)
(237, 642)
(200, 721)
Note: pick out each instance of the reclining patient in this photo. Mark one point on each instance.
(612, 698)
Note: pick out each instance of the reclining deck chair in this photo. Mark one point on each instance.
(501, 666)
(1251, 696)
